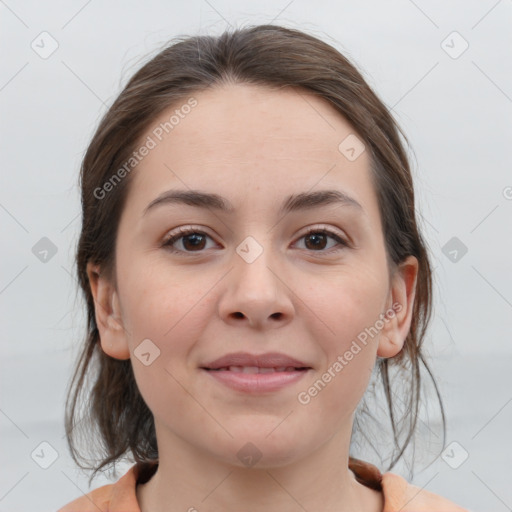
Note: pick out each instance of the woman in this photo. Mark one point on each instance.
(250, 256)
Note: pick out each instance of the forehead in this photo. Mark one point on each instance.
(244, 138)
(233, 114)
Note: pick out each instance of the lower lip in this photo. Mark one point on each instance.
(257, 382)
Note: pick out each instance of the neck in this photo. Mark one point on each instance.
(190, 480)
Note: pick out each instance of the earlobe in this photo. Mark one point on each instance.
(400, 308)
(107, 312)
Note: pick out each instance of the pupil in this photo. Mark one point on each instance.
(316, 236)
(196, 240)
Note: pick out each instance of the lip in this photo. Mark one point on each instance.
(230, 370)
(267, 360)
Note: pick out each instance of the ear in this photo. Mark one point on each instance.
(399, 308)
(107, 311)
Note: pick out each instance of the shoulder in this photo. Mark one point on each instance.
(403, 496)
(117, 497)
(94, 501)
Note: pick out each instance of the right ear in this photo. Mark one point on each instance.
(113, 338)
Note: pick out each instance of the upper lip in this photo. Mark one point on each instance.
(267, 360)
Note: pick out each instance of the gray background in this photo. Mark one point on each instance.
(454, 107)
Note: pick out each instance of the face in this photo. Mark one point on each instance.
(304, 279)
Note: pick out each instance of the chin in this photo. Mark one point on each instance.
(266, 446)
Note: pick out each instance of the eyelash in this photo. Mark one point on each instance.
(183, 232)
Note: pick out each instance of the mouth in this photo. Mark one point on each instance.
(257, 369)
(243, 362)
(256, 373)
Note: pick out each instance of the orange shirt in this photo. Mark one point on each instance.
(398, 494)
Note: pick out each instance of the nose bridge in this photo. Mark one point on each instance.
(253, 267)
(255, 290)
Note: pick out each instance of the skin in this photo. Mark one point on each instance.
(199, 305)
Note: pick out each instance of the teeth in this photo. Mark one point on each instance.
(256, 369)
(250, 369)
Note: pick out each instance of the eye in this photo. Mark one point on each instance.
(192, 240)
(316, 239)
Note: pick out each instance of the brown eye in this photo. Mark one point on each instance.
(191, 241)
(194, 241)
(317, 239)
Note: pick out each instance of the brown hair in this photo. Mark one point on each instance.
(116, 415)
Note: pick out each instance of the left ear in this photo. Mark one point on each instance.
(399, 308)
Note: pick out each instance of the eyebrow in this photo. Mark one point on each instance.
(294, 202)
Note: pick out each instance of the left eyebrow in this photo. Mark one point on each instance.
(294, 202)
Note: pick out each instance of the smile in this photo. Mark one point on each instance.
(255, 380)
(256, 369)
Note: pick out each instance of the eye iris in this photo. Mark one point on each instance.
(196, 241)
(316, 236)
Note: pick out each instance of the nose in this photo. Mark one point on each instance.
(257, 293)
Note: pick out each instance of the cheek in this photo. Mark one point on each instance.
(348, 308)
(165, 392)
(348, 335)
(164, 319)
(162, 307)
(334, 392)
